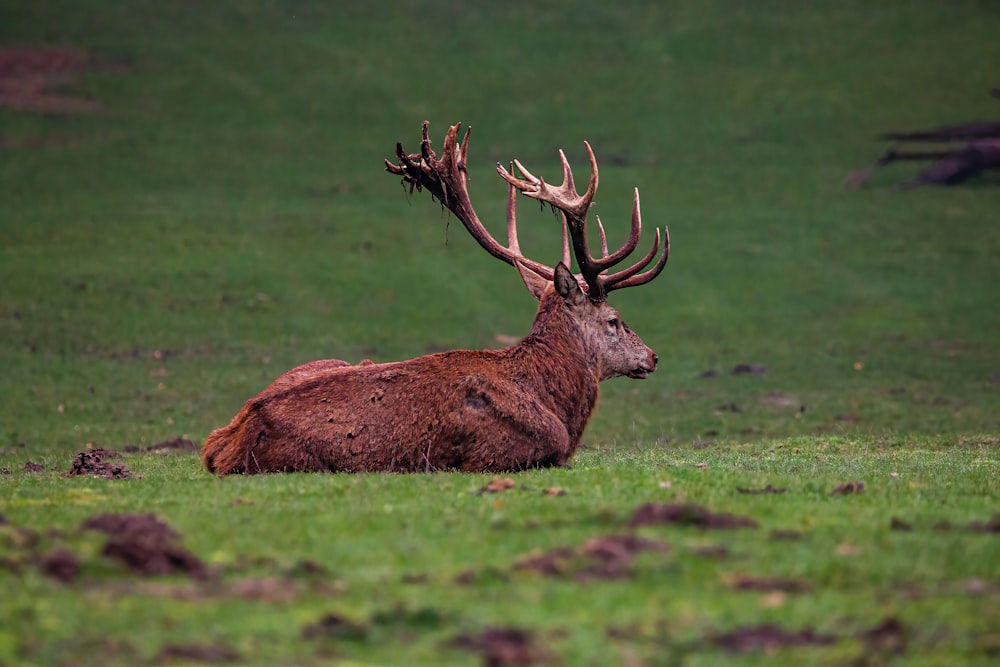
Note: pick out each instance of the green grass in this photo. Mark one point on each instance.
(227, 217)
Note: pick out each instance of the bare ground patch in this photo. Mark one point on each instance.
(767, 637)
(606, 557)
(146, 545)
(687, 515)
(506, 647)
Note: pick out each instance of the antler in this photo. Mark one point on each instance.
(446, 179)
(573, 208)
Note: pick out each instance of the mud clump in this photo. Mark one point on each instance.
(898, 524)
(767, 637)
(990, 526)
(886, 638)
(60, 564)
(505, 647)
(608, 557)
(93, 463)
(33, 467)
(145, 545)
(687, 515)
(334, 626)
(848, 488)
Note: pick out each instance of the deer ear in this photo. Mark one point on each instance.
(534, 282)
(567, 286)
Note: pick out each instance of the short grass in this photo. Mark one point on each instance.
(226, 217)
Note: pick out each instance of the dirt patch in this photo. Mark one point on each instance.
(145, 545)
(213, 654)
(687, 515)
(990, 526)
(607, 557)
(848, 488)
(505, 647)
(334, 626)
(60, 564)
(41, 80)
(401, 621)
(33, 467)
(93, 463)
(886, 638)
(767, 637)
(497, 485)
(898, 524)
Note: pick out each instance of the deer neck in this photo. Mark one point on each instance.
(555, 359)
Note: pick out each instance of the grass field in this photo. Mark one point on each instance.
(192, 201)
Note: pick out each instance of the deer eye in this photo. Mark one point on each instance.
(613, 322)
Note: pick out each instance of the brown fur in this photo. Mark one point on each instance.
(492, 410)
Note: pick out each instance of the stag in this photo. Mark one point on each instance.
(510, 409)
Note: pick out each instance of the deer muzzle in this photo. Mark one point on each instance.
(646, 367)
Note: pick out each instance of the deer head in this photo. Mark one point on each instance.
(613, 348)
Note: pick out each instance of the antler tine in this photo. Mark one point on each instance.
(565, 197)
(647, 276)
(531, 178)
(627, 277)
(512, 243)
(607, 261)
(604, 237)
(566, 257)
(610, 280)
(568, 183)
(425, 143)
